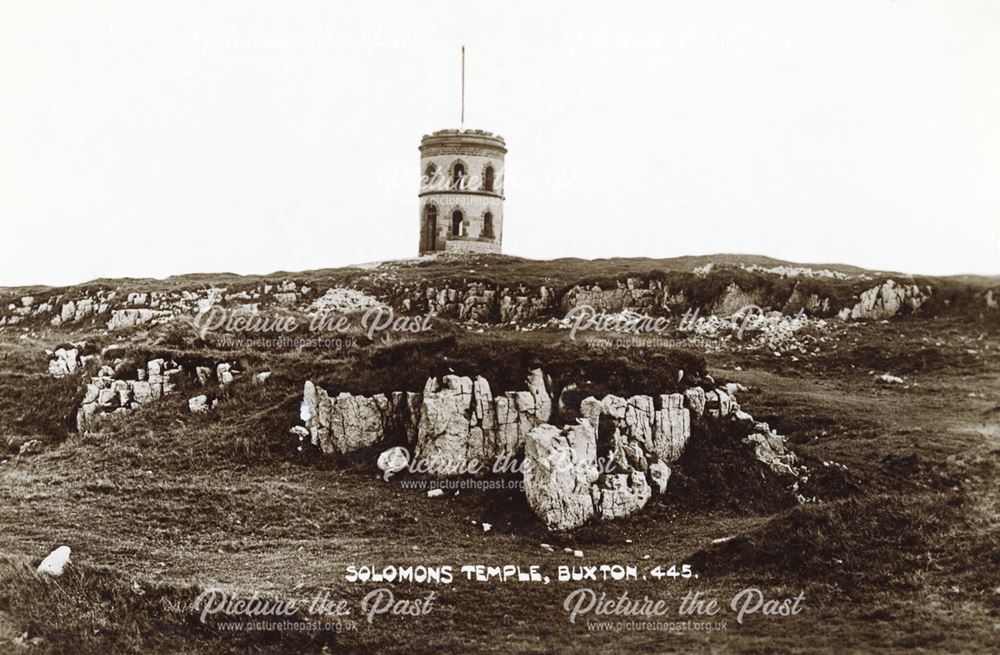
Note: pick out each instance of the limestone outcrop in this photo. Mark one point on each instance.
(764, 443)
(632, 294)
(479, 302)
(107, 397)
(632, 440)
(118, 310)
(345, 423)
(110, 395)
(452, 422)
(126, 318)
(887, 300)
(66, 361)
(621, 494)
(560, 468)
(735, 298)
(990, 300)
(608, 459)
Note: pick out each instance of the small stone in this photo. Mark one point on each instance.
(392, 461)
(204, 374)
(224, 373)
(434, 493)
(198, 404)
(55, 563)
(577, 553)
(32, 447)
(659, 473)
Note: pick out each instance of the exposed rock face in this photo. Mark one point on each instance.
(155, 307)
(795, 271)
(671, 428)
(484, 303)
(734, 299)
(605, 465)
(662, 432)
(448, 437)
(357, 422)
(766, 445)
(107, 396)
(642, 440)
(769, 448)
(560, 467)
(344, 301)
(632, 294)
(126, 318)
(77, 310)
(810, 303)
(659, 474)
(886, 301)
(65, 361)
(345, 423)
(621, 494)
(695, 397)
(454, 421)
(563, 483)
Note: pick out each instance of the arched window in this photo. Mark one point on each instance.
(487, 225)
(456, 223)
(429, 174)
(488, 179)
(457, 174)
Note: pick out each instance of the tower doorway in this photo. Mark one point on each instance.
(487, 226)
(429, 237)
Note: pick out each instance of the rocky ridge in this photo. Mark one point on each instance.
(606, 461)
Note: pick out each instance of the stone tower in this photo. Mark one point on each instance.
(461, 191)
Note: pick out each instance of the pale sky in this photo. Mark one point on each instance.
(154, 138)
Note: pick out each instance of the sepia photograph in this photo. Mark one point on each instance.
(474, 327)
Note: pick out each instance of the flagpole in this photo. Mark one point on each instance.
(461, 122)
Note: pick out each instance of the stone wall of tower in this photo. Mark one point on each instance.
(463, 215)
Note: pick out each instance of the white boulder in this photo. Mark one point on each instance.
(55, 563)
(198, 404)
(393, 461)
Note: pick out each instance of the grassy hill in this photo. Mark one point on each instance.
(896, 550)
